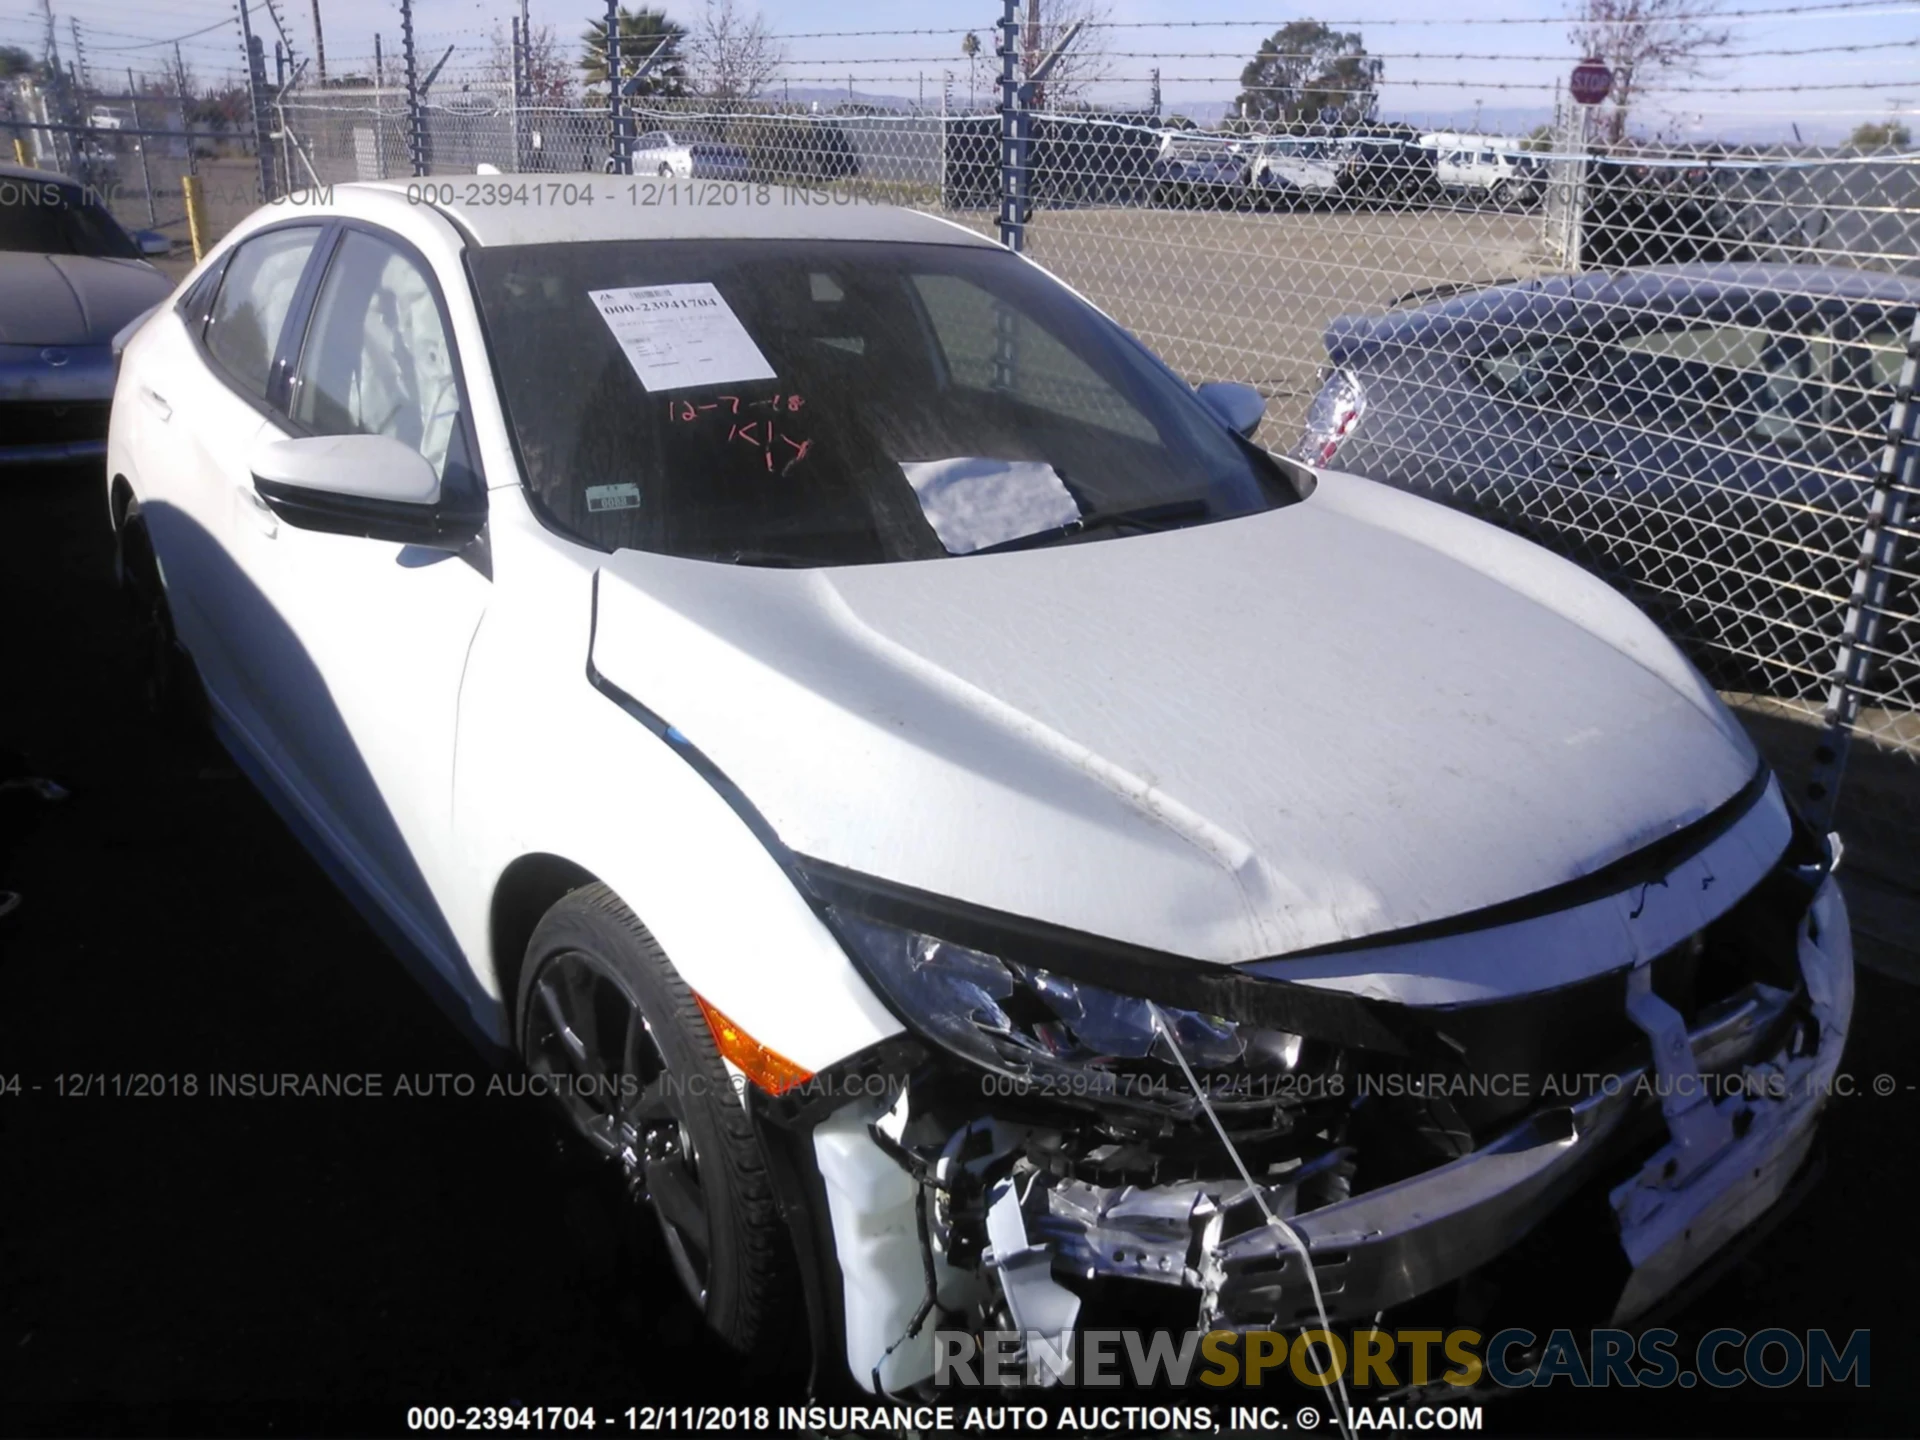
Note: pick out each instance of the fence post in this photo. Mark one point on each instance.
(618, 155)
(1013, 133)
(146, 173)
(416, 116)
(1866, 606)
(196, 215)
(256, 84)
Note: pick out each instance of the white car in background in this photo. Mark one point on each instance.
(662, 153)
(1296, 167)
(1485, 166)
(958, 826)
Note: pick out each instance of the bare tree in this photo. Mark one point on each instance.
(1643, 42)
(733, 55)
(1085, 63)
(549, 73)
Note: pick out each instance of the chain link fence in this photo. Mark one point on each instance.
(1683, 365)
(1677, 365)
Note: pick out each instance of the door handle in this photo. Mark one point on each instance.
(256, 512)
(157, 403)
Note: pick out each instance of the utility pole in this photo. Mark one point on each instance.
(319, 46)
(1155, 107)
(379, 64)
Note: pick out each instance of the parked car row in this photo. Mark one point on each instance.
(1198, 167)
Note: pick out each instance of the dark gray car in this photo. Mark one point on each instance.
(70, 278)
(1701, 435)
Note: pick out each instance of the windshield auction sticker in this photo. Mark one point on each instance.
(679, 337)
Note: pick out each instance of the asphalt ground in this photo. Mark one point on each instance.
(175, 1263)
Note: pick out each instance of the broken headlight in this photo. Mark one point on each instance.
(1069, 1038)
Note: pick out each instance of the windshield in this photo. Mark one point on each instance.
(47, 218)
(791, 403)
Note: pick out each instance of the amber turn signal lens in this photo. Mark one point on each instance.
(768, 1069)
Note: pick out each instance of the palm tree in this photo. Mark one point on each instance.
(641, 33)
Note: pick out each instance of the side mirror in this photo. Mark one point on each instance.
(1241, 407)
(370, 486)
(152, 242)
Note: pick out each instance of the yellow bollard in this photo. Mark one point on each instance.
(20, 152)
(196, 215)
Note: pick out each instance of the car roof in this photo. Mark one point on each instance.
(1602, 299)
(506, 210)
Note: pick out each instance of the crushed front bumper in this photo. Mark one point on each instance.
(1739, 1125)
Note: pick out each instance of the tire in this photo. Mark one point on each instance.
(665, 170)
(681, 1146)
(1506, 195)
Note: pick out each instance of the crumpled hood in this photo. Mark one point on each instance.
(72, 299)
(1326, 722)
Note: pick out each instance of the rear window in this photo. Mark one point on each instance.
(791, 403)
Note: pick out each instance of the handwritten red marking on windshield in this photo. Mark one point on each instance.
(686, 411)
(761, 434)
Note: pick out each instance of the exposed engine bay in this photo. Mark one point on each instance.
(1105, 1157)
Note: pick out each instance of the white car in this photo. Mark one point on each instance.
(660, 152)
(1304, 168)
(967, 833)
(1485, 166)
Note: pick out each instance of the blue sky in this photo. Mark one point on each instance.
(1427, 76)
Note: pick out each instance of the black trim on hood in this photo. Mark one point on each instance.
(1646, 866)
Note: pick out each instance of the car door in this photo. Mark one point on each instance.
(202, 394)
(367, 662)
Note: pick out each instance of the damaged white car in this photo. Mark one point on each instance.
(977, 841)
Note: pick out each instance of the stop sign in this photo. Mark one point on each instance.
(1590, 83)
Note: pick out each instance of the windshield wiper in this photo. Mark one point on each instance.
(771, 559)
(1144, 517)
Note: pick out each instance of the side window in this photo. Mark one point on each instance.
(243, 327)
(1531, 373)
(987, 348)
(376, 359)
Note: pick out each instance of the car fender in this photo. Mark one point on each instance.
(547, 764)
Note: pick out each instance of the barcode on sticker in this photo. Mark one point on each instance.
(613, 497)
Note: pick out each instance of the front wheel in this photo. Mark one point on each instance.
(617, 1039)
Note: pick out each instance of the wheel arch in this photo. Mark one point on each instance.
(119, 499)
(530, 886)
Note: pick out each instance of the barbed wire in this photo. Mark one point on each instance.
(1865, 9)
(1264, 54)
